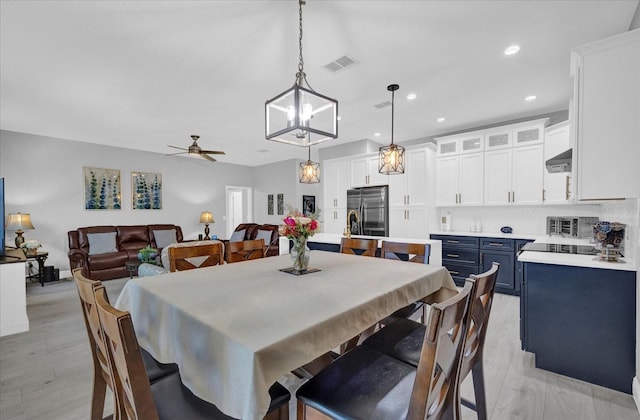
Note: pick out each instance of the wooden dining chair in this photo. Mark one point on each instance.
(101, 374)
(180, 257)
(166, 398)
(403, 338)
(365, 247)
(245, 250)
(368, 384)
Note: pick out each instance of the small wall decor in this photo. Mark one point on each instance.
(280, 204)
(146, 191)
(270, 204)
(101, 189)
(308, 204)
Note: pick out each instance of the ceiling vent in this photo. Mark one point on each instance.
(339, 64)
(383, 104)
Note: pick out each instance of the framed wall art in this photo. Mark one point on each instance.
(270, 204)
(280, 204)
(101, 189)
(308, 204)
(146, 191)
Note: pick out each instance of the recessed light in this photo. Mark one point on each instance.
(339, 118)
(412, 96)
(512, 49)
(441, 119)
(530, 98)
(376, 134)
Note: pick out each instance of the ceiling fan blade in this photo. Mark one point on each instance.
(209, 158)
(176, 147)
(179, 153)
(213, 152)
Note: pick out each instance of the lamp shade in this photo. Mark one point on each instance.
(19, 221)
(206, 217)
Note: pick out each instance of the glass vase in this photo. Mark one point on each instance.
(300, 254)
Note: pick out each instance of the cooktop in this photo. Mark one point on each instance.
(561, 248)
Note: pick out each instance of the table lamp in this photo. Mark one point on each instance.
(206, 217)
(18, 222)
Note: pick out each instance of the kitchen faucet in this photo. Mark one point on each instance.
(347, 231)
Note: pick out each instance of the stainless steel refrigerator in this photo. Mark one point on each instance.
(372, 206)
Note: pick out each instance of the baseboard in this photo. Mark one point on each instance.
(636, 392)
(65, 274)
(17, 328)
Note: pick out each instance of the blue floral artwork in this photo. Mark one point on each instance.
(146, 191)
(101, 189)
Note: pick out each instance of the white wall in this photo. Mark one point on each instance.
(43, 176)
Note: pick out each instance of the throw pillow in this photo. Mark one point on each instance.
(266, 235)
(102, 243)
(237, 236)
(165, 237)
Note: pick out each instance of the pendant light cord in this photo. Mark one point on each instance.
(393, 101)
(301, 60)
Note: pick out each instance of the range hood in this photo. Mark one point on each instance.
(560, 163)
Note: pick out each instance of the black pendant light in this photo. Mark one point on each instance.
(391, 158)
(309, 171)
(301, 110)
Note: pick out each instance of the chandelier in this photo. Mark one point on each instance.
(391, 158)
(300, 110)
(309, 171)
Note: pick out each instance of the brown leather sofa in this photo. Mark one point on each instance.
(128, 241)
(251, 232)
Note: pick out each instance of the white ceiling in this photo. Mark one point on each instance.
(145, 74)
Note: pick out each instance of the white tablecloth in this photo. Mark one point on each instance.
(237, 328)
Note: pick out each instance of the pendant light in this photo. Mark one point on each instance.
(309, 171)
(301, 110)
(391, 160)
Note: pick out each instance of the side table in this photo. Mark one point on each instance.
(132, 267)
(40, 257)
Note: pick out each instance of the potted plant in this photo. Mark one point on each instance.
(30, 247)
(147, 254)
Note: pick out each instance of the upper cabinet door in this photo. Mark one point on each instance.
(375, 177)
(498, 139)
(557, 139)
(416, 177)
(471, 143)
(527, 176)
(447, 184)
(335, 177)
(527, 135)
(447, 147)
(360, 172)
(471, 179)
(497, 177)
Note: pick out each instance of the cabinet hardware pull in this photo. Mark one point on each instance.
(453, 272)
(453, 255)
(408, 215)
(449, 241)
(408, 199)
(513, 195)
(508, 196)
(495, 244)
(543, 191)
(566, 187)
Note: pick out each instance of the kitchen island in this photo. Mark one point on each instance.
(577, 315)
(331, 242)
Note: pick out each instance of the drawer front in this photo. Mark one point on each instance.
(460, 256)
(457, 241)
(497, 244)
(459, 272)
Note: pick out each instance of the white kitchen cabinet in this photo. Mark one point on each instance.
(459, 180)
(557, 139)
(411, 188)
(335, 220)
(335, 177)
(408, 222)
(514, 176)
(364, 172)
(606, 126)
(499, 138)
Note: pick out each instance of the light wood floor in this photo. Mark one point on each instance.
(46, 372)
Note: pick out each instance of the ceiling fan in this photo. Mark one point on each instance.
(196, 150)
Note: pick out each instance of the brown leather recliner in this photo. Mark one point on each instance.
(111, 265)
(251, 231)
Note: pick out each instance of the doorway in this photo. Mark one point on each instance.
(239, 205)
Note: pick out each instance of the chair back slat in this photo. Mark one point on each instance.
(132, 384)
(434, 392)
(245, 250)
(418, 253)
(365, 247)
(482, 301)
(179, 256)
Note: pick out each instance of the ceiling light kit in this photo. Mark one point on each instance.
(511, 50)
(530, 98)
(391, 158)
(441, 119)
(197, 150)
(298, 111)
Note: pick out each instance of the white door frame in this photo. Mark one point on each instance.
(247, 206)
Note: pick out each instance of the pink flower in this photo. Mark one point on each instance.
(313, 225)
(290, 221)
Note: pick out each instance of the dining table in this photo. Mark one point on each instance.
(235, 329)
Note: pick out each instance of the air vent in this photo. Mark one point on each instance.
(383, 105)
(339, 64)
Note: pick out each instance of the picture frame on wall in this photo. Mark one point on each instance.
(308, 205)
(280, 204)
(270, 204)
(102, 188)
(146, 191)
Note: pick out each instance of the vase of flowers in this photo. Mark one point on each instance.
(30, 247)
(299, 228)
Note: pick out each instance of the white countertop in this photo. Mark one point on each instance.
(574, 260)
(489, 234)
